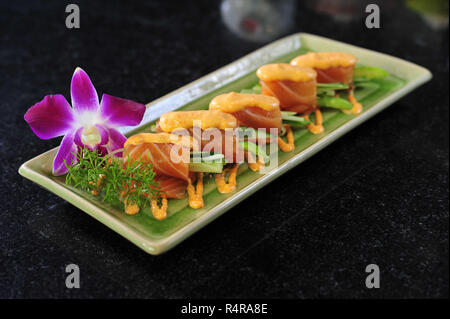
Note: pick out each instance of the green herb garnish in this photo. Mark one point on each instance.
(108, 176)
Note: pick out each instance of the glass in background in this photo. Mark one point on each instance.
(258, 20)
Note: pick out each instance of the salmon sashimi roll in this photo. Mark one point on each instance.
(161, 156)
(250, 110)
(295, 87)
(214, 132)
(331, 67)
(212, 128)
(254, 110)
(210, 143)
(169, 155)
(214, 141)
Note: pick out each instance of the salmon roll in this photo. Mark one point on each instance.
(295, 87)
(213, 132)
(212, 125)
(211, 142)
(250, 110)
(254, 110)
(332, 67)
(169, 155)
(160, 152)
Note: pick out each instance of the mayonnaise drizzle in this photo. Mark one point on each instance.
(357, 107)
(158, 212)
(196, 192)
(324, 60)
(130, 209)
(233, 102)
(289, 146)
(285, 72)
(316, 128)
(227, 187)
(255, 166)
(159, 138)
(205, 119)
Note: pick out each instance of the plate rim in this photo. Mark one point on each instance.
(158, 246)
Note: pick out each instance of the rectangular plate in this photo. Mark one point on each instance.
(154, 236)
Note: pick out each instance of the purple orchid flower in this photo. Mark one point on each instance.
(88, 124)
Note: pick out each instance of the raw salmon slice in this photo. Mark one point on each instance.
(171, 187)
(217, 141)
(299, 97)
(331, 67)
(256, 117)
(336, 74)
(160, 156)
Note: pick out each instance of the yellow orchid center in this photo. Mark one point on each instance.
(90, 135)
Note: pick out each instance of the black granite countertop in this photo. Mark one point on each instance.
(378, 195)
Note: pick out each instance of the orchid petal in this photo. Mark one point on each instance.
(104, 134)
(66, 155)
(50, 117)
(102, 151)
(119, 112)
(84, 95)
(77, 137)
(116, 141)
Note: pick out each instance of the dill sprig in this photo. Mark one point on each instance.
(106, 175)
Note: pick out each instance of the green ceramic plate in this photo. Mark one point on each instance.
(155, 236)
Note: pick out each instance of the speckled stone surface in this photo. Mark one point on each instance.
(378, 195)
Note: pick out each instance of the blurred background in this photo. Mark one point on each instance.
(393, 212)
(162, 44)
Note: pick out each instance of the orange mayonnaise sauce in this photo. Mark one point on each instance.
(196, 192)
(130, 209)
(357, 107)
(158, 212)
(285, 72)
(289, 146)
(227, 187)
(324, 60)
(159, 138)
(255, 166)
(205, 119)
(234, 102)
(316, 128)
